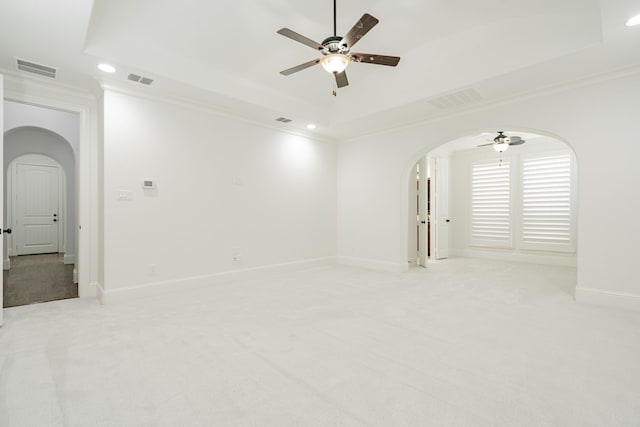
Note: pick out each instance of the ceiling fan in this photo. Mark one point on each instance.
(502, 142)
(336, 50)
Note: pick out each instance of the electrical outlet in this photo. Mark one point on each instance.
(236, 259)
(152, 269)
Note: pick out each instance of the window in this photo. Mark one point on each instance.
(547, 213)
(491, 204)
(530, 195)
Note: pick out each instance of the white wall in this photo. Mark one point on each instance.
(460, 203)
(224, 187)
(65, 124)
(599, 121)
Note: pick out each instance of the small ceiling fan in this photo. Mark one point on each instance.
(502, 142)
(336, 50)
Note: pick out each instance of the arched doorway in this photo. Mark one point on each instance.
(516, 205)
(40, 200)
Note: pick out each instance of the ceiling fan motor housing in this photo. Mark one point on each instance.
(332, 45)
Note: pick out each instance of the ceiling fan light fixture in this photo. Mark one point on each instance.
(335, 63)
(501, 147)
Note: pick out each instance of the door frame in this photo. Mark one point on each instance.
(50, 95)
(12, 205)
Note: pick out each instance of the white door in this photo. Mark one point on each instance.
(441, 178)
(37, 207)
(1, 186)
(423, 250)
(412, 241)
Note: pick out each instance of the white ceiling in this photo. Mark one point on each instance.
(228, 55)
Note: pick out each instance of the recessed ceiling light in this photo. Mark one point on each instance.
(107, 68)
(632, 22)
(311, 126)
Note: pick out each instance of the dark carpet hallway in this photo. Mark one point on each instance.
(38, 278)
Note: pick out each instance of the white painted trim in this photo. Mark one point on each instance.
(374, 264)
(599, 297)
(69, 258)
(100, 293)
(6, 263)
(54, 95)
(113, 86)
(567, 260)
(62, 210)
(506, 100)
(87, 290)
(193, 283)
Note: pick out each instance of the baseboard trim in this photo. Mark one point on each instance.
(558, 259)
(6, 264)
(188, 283)
(620, 300)
(391, 267)
(100, 294)
(69, 258)
(88, 290)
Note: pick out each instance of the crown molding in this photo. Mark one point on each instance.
(119, 87)
(522, 96)
(15, 79)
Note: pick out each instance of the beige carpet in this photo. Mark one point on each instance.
(472, 343)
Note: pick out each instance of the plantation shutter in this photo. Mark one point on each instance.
(491, 204)
(546, 202)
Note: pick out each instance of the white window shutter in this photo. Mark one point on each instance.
(547, 221)
(491, 204)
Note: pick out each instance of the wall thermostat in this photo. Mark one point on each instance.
(148, 184)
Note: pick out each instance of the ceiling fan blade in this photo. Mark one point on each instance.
(370, 58)
(300, 38)
(518, 141)
(300, 67)
(358, 31)
(341, 79)
(484, 145)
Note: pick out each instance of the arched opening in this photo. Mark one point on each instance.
(519, 204)
(40, 205)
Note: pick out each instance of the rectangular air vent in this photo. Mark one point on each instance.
(32, 67)
(283, 120)
(457, 99)
(140, 79)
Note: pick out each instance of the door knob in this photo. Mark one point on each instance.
(6, 230)
(55, 214)
(423, 222)
(55, 219)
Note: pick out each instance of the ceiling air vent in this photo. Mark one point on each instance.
(32, 67)
(140, 79)
(456, 99)
(283, 120)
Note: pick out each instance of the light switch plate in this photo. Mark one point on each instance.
(125, 196)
